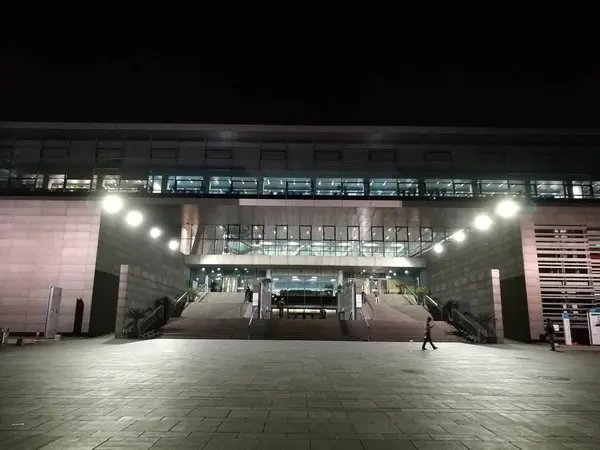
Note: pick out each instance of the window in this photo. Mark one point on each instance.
(258, 232)
(132, 186)
(329, 186)
(185, 184)
(383, 187)
(305, 233)
(439, 187)
(73, 185)
(493, 188)
(408, 187)
(463, 188)
(329, 233)
(353, 233)
(353, 186)
(299, 186)
(376, 234)
(155, 184)
(219, 185)
(244, 186)
(110, 182)
(517, 187)
(27, 182)
(548, 189)
(282, 233)
(56, 182)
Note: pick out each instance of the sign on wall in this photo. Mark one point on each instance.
(594, 326)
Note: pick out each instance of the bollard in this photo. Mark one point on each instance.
(4, 333)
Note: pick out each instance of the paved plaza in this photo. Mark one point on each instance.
(230, 395)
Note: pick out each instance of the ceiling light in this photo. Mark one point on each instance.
(406, 272)
(155, 232)
(112, 204)
(173, 245)
(507, 208)
(483, 222)
(438, 248)
(134, 218)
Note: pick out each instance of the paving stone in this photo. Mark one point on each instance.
(296, 395)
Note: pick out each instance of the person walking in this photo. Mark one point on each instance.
(551, 334)
(428, 327)
(376, 296)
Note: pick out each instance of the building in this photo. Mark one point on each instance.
(308, 207)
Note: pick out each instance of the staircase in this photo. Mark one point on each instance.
(398, 319)
(218, 316)
(310, 330)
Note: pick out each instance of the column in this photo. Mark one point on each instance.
(497, 302)
(340, 278)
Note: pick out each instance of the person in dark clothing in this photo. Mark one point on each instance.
(248, 295)
(428, 327)
(551, 334)
(280, 307)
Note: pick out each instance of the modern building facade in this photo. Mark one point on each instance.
(308, 207)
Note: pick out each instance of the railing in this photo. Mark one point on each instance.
(365, 320)
(149, 320)
(478, 332)
(254, 309)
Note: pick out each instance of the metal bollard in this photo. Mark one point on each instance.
(4, 333)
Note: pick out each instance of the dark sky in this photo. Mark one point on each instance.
(166, 86)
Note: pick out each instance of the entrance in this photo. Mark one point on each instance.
(305, 288)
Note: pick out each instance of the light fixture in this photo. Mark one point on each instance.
(483, 222)
(134, 218)
(112, 204)
(438, 248)
(507, 208)
(406, 272)
(155, 232)
(459, 236)
(173, 245)
(203, 269)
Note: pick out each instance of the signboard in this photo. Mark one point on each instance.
(594, 326)
(255, 297)
(359, 300)
(52, 313)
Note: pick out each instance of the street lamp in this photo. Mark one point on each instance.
(134, 218)
(112, 204)
(507, 208)
(483, 222)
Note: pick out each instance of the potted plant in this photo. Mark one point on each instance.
(420, 293)
(191, 294)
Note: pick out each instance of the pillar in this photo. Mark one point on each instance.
(340, 278)
(497, 299)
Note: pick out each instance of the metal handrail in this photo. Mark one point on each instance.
(254, 309)
(457, 316)
(145, 323)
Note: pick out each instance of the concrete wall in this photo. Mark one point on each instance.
(46, 243)
(463, 272)
(139, 288)
(146, 267)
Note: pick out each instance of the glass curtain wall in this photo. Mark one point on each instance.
(325, 240)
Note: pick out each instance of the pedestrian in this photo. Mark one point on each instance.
(551, 334)
(428, 327)
(376, 296)
(248, 295)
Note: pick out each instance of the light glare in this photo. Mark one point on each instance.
(155, 232)
(173, 245)
(507, 208)
(134, 218)
(438, 248)
(112, 204)
(483, 222)
(459, 236)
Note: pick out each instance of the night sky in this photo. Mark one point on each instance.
(164, 86)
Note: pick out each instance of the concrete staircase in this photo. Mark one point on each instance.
(310, 330)
(398, 319)
(218, 315)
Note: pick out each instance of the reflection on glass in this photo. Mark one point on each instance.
(73, 185)
(383, 187)
(244, 186)
(548, 189)
(219, 185)
(110, 182)
(56, 182)
(438, 187)
(492, 188)
(155, 184)
(329, 186)
(132, 186)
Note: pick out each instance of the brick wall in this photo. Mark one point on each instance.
(46, 243)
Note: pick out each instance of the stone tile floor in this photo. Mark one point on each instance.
(193, 394)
